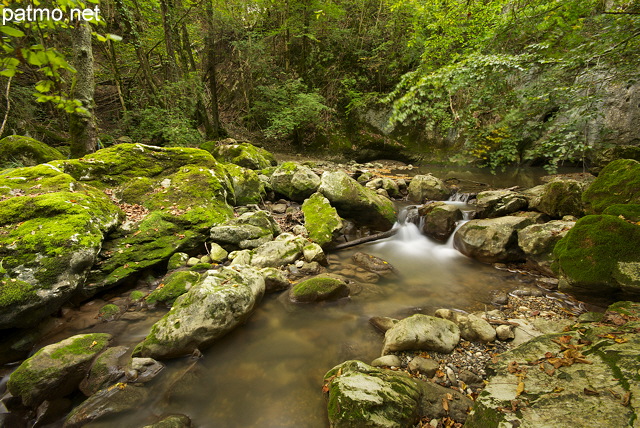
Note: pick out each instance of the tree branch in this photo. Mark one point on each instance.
(6, 114)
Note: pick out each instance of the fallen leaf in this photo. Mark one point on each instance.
(513, 367)
(520, 389)
(445, 404)
(588, 391)
(626, 399)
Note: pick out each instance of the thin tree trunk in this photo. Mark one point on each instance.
(169, 41)
(210, 77)
(82, 124)
(6, 113)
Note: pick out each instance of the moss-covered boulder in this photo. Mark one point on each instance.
(106, 369)
(559, 198)
(579, 379)
(294, 181)
(321, 220)
(283, 250)
(249, 230)
(440, 220)
(629, 212)
(319, 288)
(537, 242)
(56, 370)
(242, 154)
(595, 252)
(498, 203)
(247, 186)
(218, 303)
(357, 202)
(172, 287)
(172, 196)
(51, 231)
(362, 396)
(618, 183)
(428, 187)
(491, 240)
(25, 151)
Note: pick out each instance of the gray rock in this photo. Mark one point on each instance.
(538, 240)
(422, 332)
(472, 328)
(222, 300)
(246, 186)
(427, 187)
(558, 198)
(360, 395)
(491, 240)
(357, 202)
(250, 230)
(56, 370)
(426, 366)
(177, 260)
(192, 261)
(296, 182)
(387, 361)
(382, 323)
(142, 370)
(470, 378)
(440, 220)
(274, 279)
(505, 332)
(433, 397)
(216, 252)
(172, 421)
(107, 402)
(285, 249)
(312, 252)
(498, 203)
(627, 274)
(105, 370)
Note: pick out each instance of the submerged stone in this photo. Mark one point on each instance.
(319, 288)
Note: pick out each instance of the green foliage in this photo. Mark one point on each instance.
(288, 107)
(517, 81)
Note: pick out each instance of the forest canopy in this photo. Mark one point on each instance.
(499, 82)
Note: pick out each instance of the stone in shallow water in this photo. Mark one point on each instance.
(422, 332)
(319, 288)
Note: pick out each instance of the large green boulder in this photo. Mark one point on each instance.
(355, 201)
(219, 302)
(559, 198)
(294, 181)
(618, 183)
(172, 195)
(321, 219)
(56, 370)
(599, 254)
(240, 153)
(25, 151)
(51, 231)
(362, 396)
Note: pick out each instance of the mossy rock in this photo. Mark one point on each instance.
(630, 212)
(109, 312)
(51, 230)
(560, 198)
(177, 260)
(618, 183)
(240, 153)
(247, 187)
(294, 181)
(136, 296)
(249, 230)
(319, 288)
(589, 255)
(26, 151)
(360, 395)
(321, 219)
(56, 370)
(172, 287)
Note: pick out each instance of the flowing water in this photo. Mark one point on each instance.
(268, 372)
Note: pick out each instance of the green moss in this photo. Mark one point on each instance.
(174, 285)
(201, 266)
(26, 151)
(618, 183)
(108, 311)
(84, 345)
(589, 253)
(16, 292)
(321, 219)
(136, 295)
(243, 154)
(247, 187)
(318, 288)
(630, 212)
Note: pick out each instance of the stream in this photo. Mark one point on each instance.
(268, 373)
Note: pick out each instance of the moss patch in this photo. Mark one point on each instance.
(243, 154)
(618, 183)
(173, 286)
(321, 219)
(319, 288)
(589, 253)
(630, 212)
(26, 151)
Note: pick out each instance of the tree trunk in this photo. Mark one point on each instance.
(209, 77)
(169, 40)
(82, 124)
